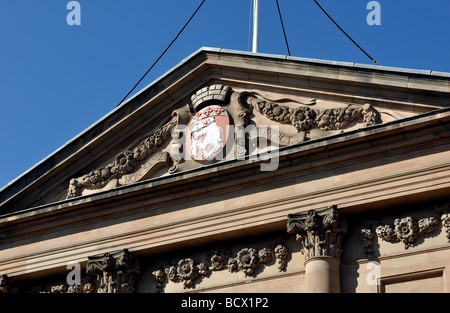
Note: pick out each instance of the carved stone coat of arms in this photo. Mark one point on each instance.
(208, 132)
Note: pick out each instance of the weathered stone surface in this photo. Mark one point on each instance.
(349, 134)
(319, 233)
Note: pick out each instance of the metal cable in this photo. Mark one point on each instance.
(282, 25)
(375, 62)
(176, 37)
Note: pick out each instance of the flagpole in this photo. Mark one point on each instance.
(255, 43)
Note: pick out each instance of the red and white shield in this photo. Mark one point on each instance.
(208, 132)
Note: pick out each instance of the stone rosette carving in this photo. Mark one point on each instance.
(218, 259)
(247, 261)
(187, 272)
(125, 162)
(86, 286)
(406, 230)
(305, 117)
(144, 154)
(210, 130)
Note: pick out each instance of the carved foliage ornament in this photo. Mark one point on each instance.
(7, 285)
(208, 135)
(130, 166)
(247, 261)
(125, 162)
(320, 232)
(406, 230)
(108, 273)
(116, 273)
(304, 117)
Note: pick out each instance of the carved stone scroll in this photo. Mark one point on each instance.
(150, 165)
(130, 166)
(320, 232)
(207, 132)
(125, 163)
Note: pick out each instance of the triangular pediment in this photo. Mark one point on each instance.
(218, 106)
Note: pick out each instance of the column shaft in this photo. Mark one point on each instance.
(322, 275)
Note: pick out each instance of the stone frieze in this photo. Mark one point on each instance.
(247, 261)
(406, 230)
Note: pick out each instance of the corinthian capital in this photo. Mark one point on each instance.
(113, 272)
(319, 231)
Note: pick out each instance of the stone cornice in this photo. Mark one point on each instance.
(231, 170)
(170, 234)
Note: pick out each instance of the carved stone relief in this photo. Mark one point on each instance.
(116, 273)
(247, 260)
(367, 234)
(126, 162)
(7, 285)
(108, 273)
(214, 108)
(305, 117)
(319, 232)
(406, 230)
(446, 224)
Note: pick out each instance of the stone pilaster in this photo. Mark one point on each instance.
(320, 232)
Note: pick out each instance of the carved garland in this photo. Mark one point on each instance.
(125, 162)
(247, 261)
(305, 118)
(406, 230)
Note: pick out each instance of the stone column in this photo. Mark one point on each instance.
(320, 232)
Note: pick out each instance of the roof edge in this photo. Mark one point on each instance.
(353, 65)
(134, 101)
(405, 125)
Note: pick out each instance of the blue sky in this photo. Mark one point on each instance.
(56, 80)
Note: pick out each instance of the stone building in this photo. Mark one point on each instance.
(244, 172)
